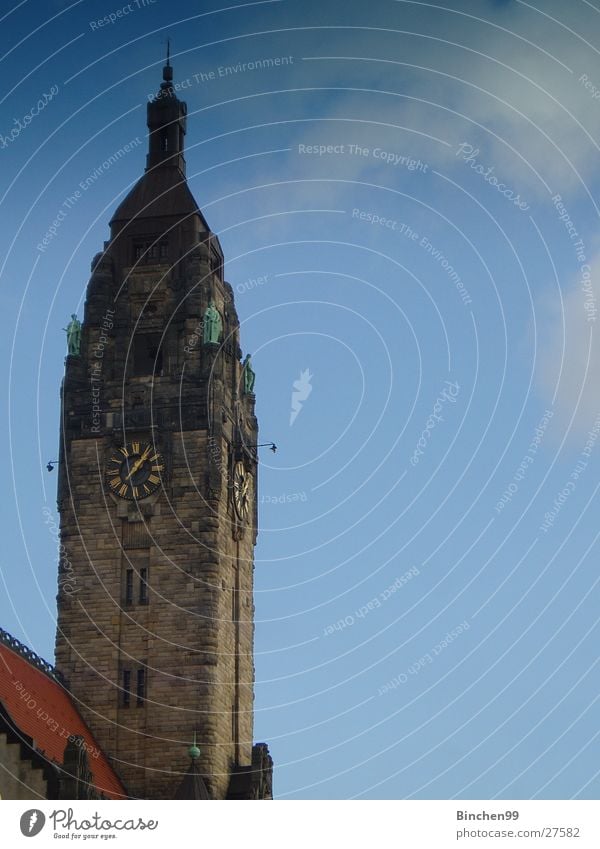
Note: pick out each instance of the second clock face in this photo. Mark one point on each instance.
(241, 490)
(134, 470)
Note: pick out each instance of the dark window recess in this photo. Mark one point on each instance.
(141, 687)
(164, 141)
(129, 586)
(126, 694)
(150, 251)
(147, 354)
(143, 585)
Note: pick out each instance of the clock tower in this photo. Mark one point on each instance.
(157, 497)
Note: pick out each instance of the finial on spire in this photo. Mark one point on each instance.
(168, 70)
(194, 751)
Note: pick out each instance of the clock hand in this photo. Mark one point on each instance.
(133, 469)
(138, 463)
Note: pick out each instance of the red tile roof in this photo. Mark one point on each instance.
(42, 709)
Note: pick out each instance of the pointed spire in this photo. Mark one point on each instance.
(167, 123)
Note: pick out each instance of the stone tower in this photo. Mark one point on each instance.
(157, 496)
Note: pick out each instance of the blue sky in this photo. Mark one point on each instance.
(426, 622)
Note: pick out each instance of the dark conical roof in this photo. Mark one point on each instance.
(161, 192)
(192, 786)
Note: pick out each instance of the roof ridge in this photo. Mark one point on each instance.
(29, 655)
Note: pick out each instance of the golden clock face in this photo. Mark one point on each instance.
(134, 470)
(241, 490)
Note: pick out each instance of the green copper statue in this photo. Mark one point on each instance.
(73, 331)
(248, 376)
(212, 325)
